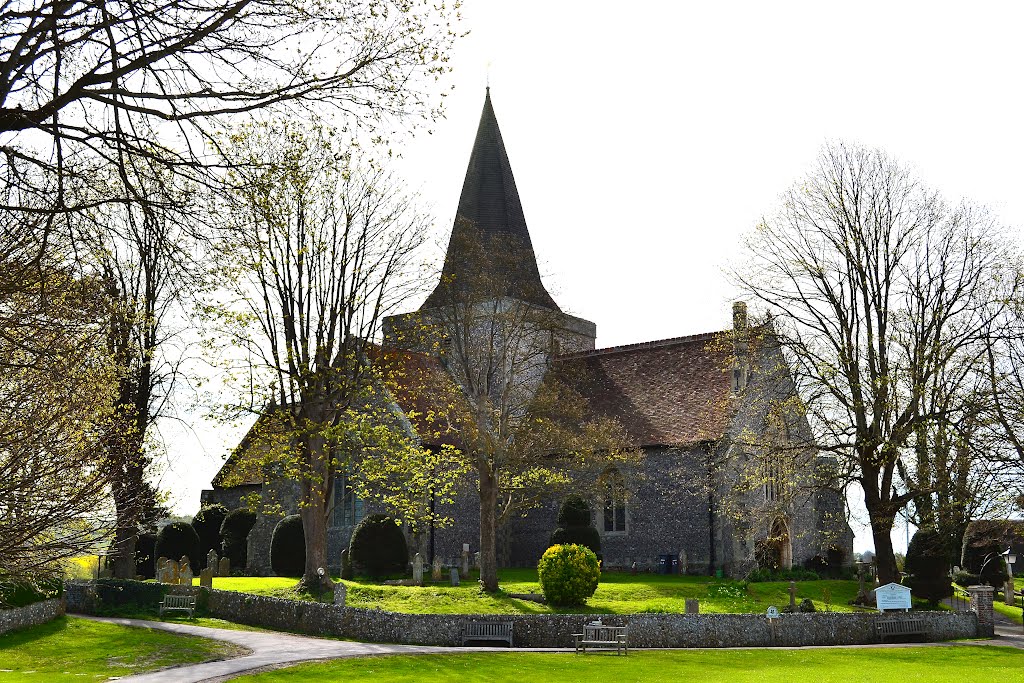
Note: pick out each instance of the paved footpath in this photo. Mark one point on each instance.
(271, 650)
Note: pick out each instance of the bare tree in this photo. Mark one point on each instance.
(524, 429)
(878, 290)
(142, 83)
(55, 389)
(320, 243)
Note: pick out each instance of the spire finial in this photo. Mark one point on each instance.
(488, 77)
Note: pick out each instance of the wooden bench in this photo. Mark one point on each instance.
(598, 635)
(487, 630)
(899, 626)
(182, 603)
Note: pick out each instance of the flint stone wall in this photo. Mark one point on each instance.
(30, 615)
(555, 630)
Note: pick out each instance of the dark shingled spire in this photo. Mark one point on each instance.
(490, 207)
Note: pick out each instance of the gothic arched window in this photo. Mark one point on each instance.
(348, 508)
(614, 490)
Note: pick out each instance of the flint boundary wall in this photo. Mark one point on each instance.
(30, 615)
(546, 630)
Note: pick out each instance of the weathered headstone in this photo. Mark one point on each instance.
(455, 576)
(173, 572)
(344, 564)
(185, 571)
(161, 570)
(465, 562)
(683, 567)
(792, 596)
(211, 562)
(435, 574)
(225, 567)
(1008, 594)
(339, 594)
(476, 560)
(206, 578)
(692, 606)
(417, 569)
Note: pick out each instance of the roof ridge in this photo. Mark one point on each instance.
(656, 343)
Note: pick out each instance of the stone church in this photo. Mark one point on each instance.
(706, 496)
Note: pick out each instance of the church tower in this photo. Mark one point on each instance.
(490, 253)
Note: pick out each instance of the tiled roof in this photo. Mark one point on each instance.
(672, 392)
(490, 207)
(417, 383)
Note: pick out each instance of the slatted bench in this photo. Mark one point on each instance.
(598, 635)
(487, 630)
(901, 626)
(181, 603)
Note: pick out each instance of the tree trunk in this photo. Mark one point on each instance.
(885, 558)
(313, 511)
(125, 536)
(488, 529)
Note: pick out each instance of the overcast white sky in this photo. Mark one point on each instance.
(647, 137)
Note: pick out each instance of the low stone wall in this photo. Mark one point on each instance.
(555, 630)
(30, 615)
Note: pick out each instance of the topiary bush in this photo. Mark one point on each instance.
(234, 536)
(568, 574)
(288, 547)
(378, 547)
(145, 555)
(574, 512)
(928, 565)
(574, 526)
(178, 539)
(207, 523)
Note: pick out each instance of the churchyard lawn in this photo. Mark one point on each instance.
(78, 649)
(616, 594)
(965, 664)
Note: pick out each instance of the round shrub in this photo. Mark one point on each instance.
(928, 565)
(378, 547)
(207, 523)
(178, 539)
(577, 535)
(234, 536)
(574, 512)
(145, 555)
(568, 574)
(288, 547)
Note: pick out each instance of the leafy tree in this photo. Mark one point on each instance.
(877, 290)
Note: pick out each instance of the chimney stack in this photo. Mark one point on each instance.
(741, 346)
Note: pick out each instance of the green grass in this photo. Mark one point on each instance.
(965, 664)
(617, 594)
(78, 649)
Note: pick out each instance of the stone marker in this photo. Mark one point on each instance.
(344, 564)
(692, 606)
(417, 569)
(225, 567)
(211, 562)
(435, 574)
(339, 594)
(185, 571)
(1008, 596)
(476, 560)
(682, 562)
(173, 572)
(455, 576)
(206, 578)
(465, 562)
(792, 596)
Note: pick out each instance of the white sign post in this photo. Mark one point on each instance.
(892, 596)
(772, 613)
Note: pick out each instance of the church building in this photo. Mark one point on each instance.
(724, 482)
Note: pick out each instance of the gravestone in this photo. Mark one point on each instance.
(185, 577)
(206, 578)
(465, 561)
(173, 572)
(225, 567)
(436, 571)
(692, 606)
(344, 564)
(792, 596)
(211, 562)
(476, 560)
(161, 570)
(455, 576)
(417, 569)
(339, 594)
(683, 567)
